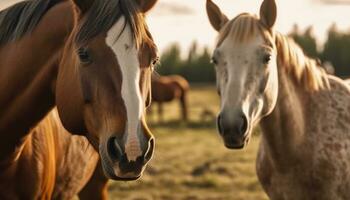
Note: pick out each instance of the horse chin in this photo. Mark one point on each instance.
(111, 168)
(238, 146)
(233, 147)
(112, 172)
(240, 143)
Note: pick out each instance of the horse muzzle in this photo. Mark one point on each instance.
(116, 163)
(234, 129)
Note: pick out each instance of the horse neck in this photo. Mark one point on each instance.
(28, 70)
(283, 130)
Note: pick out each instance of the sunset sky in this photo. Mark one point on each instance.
(184, 21)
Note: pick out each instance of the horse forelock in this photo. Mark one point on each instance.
(105, 14)
(241, 29)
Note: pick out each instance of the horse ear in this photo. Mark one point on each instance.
(146, 5)
(216, 17)
(83, 5)
(268, 13)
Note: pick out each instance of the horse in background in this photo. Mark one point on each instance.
(169, 88)
(264, 77)
(64, 35)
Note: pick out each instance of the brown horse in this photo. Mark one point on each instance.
(169, 88)
(264, 77)
(108, 78)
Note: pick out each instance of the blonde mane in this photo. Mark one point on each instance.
(290, 56)
(307, 71)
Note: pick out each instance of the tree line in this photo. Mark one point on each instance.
(197, 68)
(336, 49)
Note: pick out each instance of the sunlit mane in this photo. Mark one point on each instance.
(306, 70)
(290, 56)
(49, 125)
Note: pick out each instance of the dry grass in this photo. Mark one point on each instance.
(190, 161)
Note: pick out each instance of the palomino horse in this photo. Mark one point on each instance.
(168, 88)
(100, 80)
(263, 76)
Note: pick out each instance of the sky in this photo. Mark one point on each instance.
(169, 25)
(185, 21)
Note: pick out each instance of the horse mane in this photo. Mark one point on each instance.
(290, 56)
(105, 13)
(22, 18)
(47, 128)
(306, 70)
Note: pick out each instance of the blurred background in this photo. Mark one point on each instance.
(190, 161)
(186, 39)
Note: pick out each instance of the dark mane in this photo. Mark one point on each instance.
(22, 18)
(105, 13)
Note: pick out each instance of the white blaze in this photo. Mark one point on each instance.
(126, 52)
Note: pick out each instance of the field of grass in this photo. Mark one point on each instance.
(191, 162)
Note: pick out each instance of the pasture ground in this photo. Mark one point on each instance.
(191, 162)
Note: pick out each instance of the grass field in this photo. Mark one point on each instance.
(191, 163)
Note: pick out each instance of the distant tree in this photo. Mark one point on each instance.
(337, 51)
(306, 40)
(199, 69)
(170, 62)
(205, 67)
(196, 67)
(192, 53)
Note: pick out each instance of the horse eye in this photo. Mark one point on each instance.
(267, 59)
(214, 61)
(84, 56)
(155, 61)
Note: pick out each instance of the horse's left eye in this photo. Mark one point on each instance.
(155, 61)
(266, 59)
(84, 56)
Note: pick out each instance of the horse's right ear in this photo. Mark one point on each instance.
(83, 5)
(216, 17)
(268, 13)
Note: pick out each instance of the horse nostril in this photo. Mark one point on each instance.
(243, 125)
(113, 149)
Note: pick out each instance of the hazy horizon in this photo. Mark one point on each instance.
(185, 21)
(191, 23)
